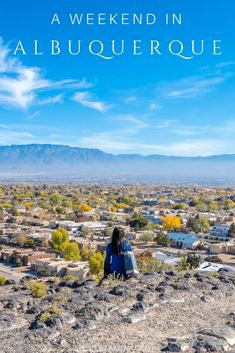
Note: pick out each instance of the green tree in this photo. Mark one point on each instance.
(193, 225)
(184, 265)
(189, 262)
(162, 239)
(59, 239)
(204, 224)
(146, 237)
(138, 220)
(86, 252)
(72, 252)
(96, 265)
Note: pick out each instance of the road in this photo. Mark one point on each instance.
(9, 272)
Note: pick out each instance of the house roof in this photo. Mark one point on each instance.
(182, 237)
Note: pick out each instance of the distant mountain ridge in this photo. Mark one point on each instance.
(48, 159)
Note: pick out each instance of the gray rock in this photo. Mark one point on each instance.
(140, 306)
(93, 311)
(207, 299)
(134, 317)
(123, 291)
(83, 325)
(176, 345)
(146, 297)
(67, 319)
(182, 285)
(9, 321)
(224, 332)
(211, 344)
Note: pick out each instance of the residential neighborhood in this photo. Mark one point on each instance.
(167, 223)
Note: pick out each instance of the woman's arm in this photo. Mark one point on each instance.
(107, 261)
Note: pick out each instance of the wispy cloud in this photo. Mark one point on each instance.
(129, 99)
(154, 106)
(22, 86)
(88, 100)
(194, 86)
(109, 141)
(16, 137)
(31, 116)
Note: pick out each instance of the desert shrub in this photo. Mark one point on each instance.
(48, 314)
(150, 264)
(70, 278)
(38, 289)
(3, 280)
(113, 280)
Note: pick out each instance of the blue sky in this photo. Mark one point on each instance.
(130, 104)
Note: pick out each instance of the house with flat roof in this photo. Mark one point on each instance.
(60, 267)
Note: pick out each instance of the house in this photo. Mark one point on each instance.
(61, 267)
(167, 259)
(23, 257)
(222, 248)
(220, 231)
(184, 241)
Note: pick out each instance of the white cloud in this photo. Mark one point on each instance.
(21, 86)
(154, 106)
(194, 86)
(32, 115)
(16, 137)
(129, 99)
(88, 100)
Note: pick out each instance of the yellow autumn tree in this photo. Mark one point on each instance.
(85, 208)
(171, 222)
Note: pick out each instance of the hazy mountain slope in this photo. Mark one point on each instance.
(69, 161)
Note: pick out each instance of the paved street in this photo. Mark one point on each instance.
(10, 272)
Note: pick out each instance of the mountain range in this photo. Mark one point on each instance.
(65, 162)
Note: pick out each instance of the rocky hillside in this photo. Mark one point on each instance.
(163, 311)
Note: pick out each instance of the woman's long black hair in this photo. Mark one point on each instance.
(117, 239)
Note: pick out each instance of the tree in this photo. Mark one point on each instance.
(85, 208)
(232, 230)
(86, 252)
(171, 222)
(146, 237)
(162, 239)
(179, 206)
(96, 265)
(213, 205)
(59, 239)
(86, 231)
(184, 265)
(72, 252)
(21, 240)
(189, 262)
(122, 205)
(204, 224)
(193, 225)
(15, 213)
(138, 220)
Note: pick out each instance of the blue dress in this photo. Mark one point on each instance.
(115, 263)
